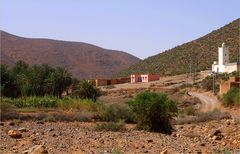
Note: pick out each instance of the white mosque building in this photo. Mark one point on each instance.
(223, 65)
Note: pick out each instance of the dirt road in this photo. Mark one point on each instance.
(209, 103)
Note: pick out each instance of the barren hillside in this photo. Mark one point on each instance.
(83, 60)
(198, 54)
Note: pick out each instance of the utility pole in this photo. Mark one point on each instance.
(214, 83)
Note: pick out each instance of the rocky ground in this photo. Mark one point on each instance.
(78, 137)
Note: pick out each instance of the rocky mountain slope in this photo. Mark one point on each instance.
(195, 55)
(81, 59)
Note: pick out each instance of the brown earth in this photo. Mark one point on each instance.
(78, 137)
(81, 59)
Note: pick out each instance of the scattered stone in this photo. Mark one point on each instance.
(223, 143)
(34, 139)
(217, 132)
(11, 123)
(63, 146)
(235, 142)
(22, 129)
(40, 122)
(217, 135)
(14, 134)
(175, 135)
(228, 122)
(51, 129)
(150, 140)
(37, 149)
(164, 152)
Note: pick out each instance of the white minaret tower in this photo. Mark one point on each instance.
(223, 55)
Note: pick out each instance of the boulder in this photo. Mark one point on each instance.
(11, 123)
(37, 149)
(14, 134)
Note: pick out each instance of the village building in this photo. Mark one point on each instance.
(106, 82)
(135, 78)
(223, 65)
(226, 85)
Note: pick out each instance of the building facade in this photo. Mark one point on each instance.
(226, 85)
(223, 65)
(106, 82)
(135, 78)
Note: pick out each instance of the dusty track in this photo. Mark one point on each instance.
(209, 103)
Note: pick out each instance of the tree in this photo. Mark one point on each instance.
(154, 112)
(86, 90)
(36, 80)
(19, 74)
(58, 81)
(8, 86)
(38, 76)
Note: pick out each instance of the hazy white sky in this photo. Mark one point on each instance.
(140, 27)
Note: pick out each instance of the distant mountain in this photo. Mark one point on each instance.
(81, 59)
(195, 55)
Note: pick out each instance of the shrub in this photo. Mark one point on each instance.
(212, 115)
(53, 102)
(154, 112)
(49, 118)
(110, 126)
(186, 85)
(109, 87)
(116, 112)
(207, 83)
(77, 104)
(86, 90)
(203, 117)
(235, 73)
(34, 101)
(116, 151)
(7, 109)
(190, 110)
(232, 97)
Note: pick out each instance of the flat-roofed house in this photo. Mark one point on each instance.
(135, 78)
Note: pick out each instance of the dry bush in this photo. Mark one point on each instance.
(61, 116)
(212, 115)
(110, 126)
(202, 117)
(7, 111)
(116, 112)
